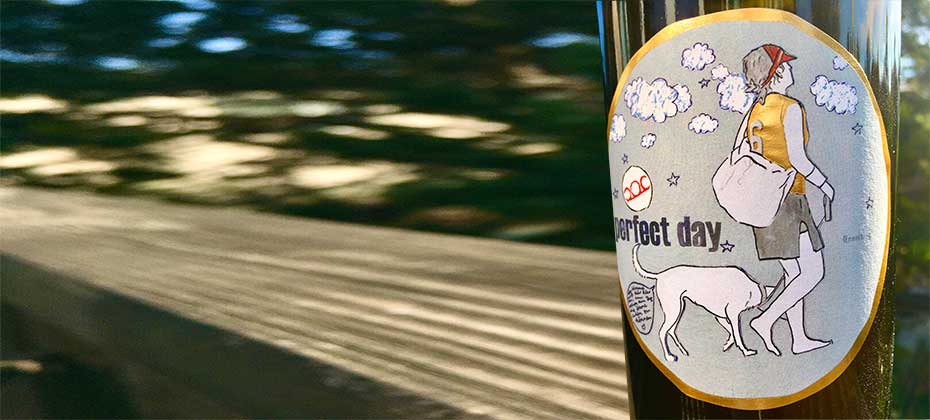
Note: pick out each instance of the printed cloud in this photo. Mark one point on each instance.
(703, 124)
(839, 63)
(697, 57)
(648, 140)
(719, 72)
(835, 96)
(617, 128)
(733, 95)
(656, 100)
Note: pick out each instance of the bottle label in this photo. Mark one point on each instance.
(751, 193)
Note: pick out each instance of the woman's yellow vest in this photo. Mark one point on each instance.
(766, 133)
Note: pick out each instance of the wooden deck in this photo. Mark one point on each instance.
(486, 327)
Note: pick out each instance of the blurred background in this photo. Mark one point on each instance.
(457, 116)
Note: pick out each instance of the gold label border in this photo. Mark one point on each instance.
(765, 15)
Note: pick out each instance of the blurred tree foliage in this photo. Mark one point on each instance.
(913, 247)
(910, 390)
(542, 179)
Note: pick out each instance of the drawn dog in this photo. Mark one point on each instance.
(725, 292)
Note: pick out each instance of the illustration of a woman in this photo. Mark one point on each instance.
(776, 127)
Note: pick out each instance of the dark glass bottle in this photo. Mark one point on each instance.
(870, 31)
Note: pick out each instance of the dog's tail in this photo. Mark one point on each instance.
(769, 293)
(639, 268)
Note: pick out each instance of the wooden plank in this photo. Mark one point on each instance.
(488, 327)
(207, 372)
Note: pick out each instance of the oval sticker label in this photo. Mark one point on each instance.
(751, 194)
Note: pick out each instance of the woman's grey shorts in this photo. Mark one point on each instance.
(780, 239)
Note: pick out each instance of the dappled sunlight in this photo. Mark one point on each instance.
(222, 45)
(198, 153)
(180, 23)
(532, 76)
(313, 109)
(289, 24)
(339, 175)
(355, 132)
(423, 120)
(497, 142)
(28, 104)
(361, 183)
(184, 114)
(117, 63)
(127, 121)
(74, 167)
(55, 162)
(188, 106)
(212, 187)
(455, 133)
(562, 39)
(21, 57)
(241, 170)
(268, 138)
(247, 104)
(441, 125)
(198, 4)
(340, 39)
(371, 115)
(255, 109)
(535, 148)
(28, 159)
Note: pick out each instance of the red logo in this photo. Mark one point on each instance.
(636, 188)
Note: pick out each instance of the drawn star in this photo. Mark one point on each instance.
(857, 129)
(704, 83)
(727, 246)
(616, 193)
(869, 203)
(673, 180)
(625, 159)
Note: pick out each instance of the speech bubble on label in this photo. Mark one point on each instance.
(641, 302)
(637, 188)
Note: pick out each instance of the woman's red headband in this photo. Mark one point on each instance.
(778, 56)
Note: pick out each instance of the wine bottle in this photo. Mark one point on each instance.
(752, 293)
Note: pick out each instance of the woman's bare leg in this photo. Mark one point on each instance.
(810, 267)
(792, 270)
(800, 342)
(809, 261)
